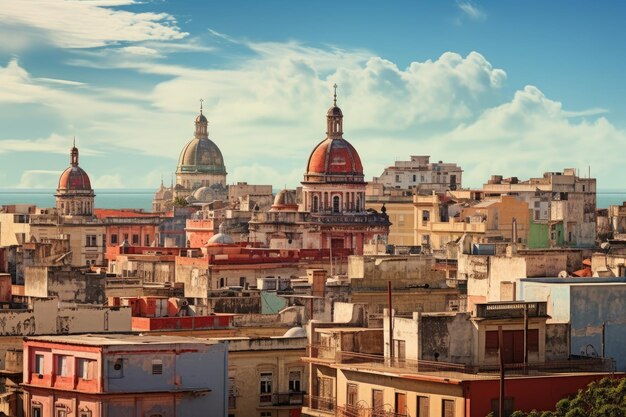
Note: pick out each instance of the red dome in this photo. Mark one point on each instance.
(334, 156)
(74, 179)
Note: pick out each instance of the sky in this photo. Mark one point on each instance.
(500, 87)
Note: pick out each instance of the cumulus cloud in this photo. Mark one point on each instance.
(267, 111)
(38, 178)
(88, 24)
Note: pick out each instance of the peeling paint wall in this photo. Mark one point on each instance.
(68, 285)
(374, 272)
(557, 342)
(597, 311)
(47, 318)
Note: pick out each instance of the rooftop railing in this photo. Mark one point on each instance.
(379, 362)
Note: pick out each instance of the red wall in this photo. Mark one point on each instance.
(182, 323)
(540, 393)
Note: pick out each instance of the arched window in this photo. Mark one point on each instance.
(358, 204)
(316, 203)
(336, 205)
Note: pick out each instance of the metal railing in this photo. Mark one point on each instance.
(361, 411)
(320, 403)
(574, 364)
(282, 399)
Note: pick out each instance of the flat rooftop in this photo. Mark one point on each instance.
(118, 340)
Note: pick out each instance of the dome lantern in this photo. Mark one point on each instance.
(334, 119)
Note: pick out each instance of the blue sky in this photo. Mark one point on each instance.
(510, 88)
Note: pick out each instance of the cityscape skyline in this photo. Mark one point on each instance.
(126, 78)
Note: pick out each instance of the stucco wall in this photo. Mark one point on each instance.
(598, 310)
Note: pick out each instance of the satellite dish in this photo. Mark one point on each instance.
(605, 245)
(562, 274)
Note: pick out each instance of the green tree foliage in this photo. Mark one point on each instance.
(604, 398)
(180, 202)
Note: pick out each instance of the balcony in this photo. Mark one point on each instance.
(361, 411)
(326, 404)
(323, 354)
(281, 399)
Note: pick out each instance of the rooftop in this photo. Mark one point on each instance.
(117, 340)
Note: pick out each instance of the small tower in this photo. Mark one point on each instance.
(74, 196)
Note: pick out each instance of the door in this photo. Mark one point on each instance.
(400, 404)
(377, 403)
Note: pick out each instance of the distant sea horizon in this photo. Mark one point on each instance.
(141, 198)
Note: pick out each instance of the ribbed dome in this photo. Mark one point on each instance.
(334, 159)
(74, 179)
(201, 155)
(334, 156)
(285, 200)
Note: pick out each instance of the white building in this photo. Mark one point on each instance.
(421, 175)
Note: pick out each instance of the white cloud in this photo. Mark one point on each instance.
(472, 11)
(52, 144)
(87, 24)
(38, 178)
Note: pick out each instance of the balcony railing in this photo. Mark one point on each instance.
(320, 403)
(363, 411)
(281, 399)
(574, 364)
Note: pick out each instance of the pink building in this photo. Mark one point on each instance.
(123, 375)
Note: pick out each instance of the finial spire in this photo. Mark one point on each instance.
(74, 143)
(335, 96)
(201, 101)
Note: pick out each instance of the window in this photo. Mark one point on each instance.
(113, 239)
(135, 239)
(90, 240)
(157, 367)
(358, 204)
(266, 414)
(316, 203)
(84, 413)
(60, 412)
(36, 411)
(414, 177)
(242, 282)
(266, 383)
(39, 364)
(126, 237)
(84, 368)
(147, 240)
(423, 406)
(265, 387)
(222, 282)
(378, 404)
(352, 396)
(294, 381)
(447, 408)
(397, 178)
(61, 365)
(399, 349)
(425, 216)
(336, 206)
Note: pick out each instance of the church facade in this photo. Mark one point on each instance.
(331, 213)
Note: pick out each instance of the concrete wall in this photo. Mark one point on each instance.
(68, 285)
(374, 272)
(47, 318)
(557, 342)
(597, 311)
